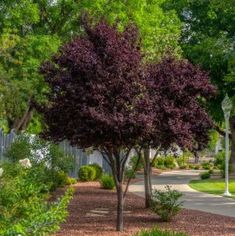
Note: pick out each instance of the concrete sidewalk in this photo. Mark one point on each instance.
(192, 199)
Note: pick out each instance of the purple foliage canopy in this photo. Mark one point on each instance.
(97, 96)
(102, 95)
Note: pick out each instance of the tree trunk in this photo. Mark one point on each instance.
(120, 205)
(147, 178)
(196, 157)
(19, 124)
(117, 161)
(232, 156)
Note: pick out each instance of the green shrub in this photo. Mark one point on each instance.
(191, 166)
(219, 159)
(169, 162)
(205, 175)
(182, 161)
(129, 173)
(19, 149)
(107, 182)
(70, 181)
(159, 232)
(159, 162)
(133, 163)
(32, 147)
(211, 171)
(220, 163)
(24, 206)
(196, 167)
(183, 167)
(87, 173)
(98, 170)
(166, 204)
(38, 218)
(207, 165)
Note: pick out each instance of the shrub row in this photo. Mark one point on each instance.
(167, 162)
(90, 172)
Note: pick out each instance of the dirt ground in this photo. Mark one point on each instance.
(93, 212)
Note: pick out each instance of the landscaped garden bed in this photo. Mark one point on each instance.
(93, 212)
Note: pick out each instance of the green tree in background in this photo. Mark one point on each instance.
(31, 31)
(208, 40)
(159, 30)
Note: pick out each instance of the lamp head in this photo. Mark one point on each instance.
(226, 105)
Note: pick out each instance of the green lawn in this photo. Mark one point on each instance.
(212, 186)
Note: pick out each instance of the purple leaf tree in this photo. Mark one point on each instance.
(177, 90)
(98, 97)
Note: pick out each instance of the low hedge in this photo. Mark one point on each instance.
(98, 170)
(87, 173)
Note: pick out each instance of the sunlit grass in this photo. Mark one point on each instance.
(212, 186)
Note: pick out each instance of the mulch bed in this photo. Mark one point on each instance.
(93, 212)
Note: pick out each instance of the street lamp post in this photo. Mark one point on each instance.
(226, 106)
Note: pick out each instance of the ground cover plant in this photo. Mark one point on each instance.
(205, 175)
(167, 203)
(159, 232)
(107, 181)
(87, 173)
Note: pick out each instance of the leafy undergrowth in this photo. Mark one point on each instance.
(158, 232)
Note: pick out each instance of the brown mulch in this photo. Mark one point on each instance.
(89, 197)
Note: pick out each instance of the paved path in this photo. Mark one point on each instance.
(192, 198)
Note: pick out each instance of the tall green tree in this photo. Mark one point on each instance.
(208, 40)
(31, 31)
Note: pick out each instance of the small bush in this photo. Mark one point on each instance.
(129, 173)
(166, 204)
(158, 232)
(87, 173)
(98, 170)
(191, 166)
(133, 163)
(107, 182)
(207, 165)
(159, 162)
(196, 167)
(220, 163)
(182, 161)
(70, 180)
(219, 159)
(169, 162)
(211, 171)
(183, 167)
(205, 175)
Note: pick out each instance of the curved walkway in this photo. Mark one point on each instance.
(192, 199)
